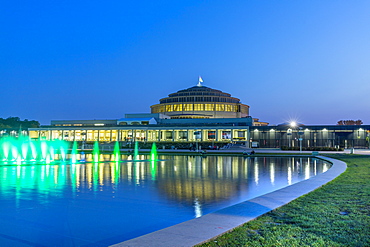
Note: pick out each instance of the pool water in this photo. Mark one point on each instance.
(99, 204)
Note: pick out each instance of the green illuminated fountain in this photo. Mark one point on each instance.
(136, 150)
(116, 152)
(23, 150)
(153, 152)
(96, 152)
(153, 161)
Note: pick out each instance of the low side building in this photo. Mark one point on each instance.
(340, 136)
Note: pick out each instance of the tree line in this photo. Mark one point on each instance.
(17, 123)
(350, 122)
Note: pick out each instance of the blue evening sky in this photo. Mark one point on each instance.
(307, 60)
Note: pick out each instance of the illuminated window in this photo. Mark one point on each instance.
(198, 107)
(220, 107)
(226, 134)
(168, 135)
(114, 135)
(33, 134)
(188, 107)
(209, 107)
(177, 107)
(159, 108)
(241, 134)
(211, 135)
(183, 135)
(228, 108)
(168, 108)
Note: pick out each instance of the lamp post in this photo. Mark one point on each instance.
(196, 136)
(300, 133)
(289, 134)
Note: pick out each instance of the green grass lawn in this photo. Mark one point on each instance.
(337, 214)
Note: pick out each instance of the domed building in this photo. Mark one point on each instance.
(200, 114)
(201, 102)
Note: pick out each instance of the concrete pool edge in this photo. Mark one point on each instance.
(207, 227)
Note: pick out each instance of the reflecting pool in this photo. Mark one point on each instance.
(98, 204)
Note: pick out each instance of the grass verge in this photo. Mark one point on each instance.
(337, 214)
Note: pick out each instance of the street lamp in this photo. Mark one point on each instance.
(293, 124)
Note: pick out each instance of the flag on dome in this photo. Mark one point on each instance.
(199, 82)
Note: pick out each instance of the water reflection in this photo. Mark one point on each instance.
(153, 194)
(181, 178)
(197, 208)
(272, 173)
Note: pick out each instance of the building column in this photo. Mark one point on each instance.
(118, 135)
(246, 134)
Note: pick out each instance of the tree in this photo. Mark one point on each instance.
(350, 122)
(17, 123)
(358, 122)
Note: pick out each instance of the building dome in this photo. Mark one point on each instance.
(201, 102)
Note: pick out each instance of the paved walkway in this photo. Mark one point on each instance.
(209, 226)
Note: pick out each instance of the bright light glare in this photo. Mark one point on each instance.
(293, 123)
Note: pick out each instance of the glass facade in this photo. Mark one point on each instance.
(257, 136)
(199, 99)
(311, 136)
(210, 107)
(150, 134)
